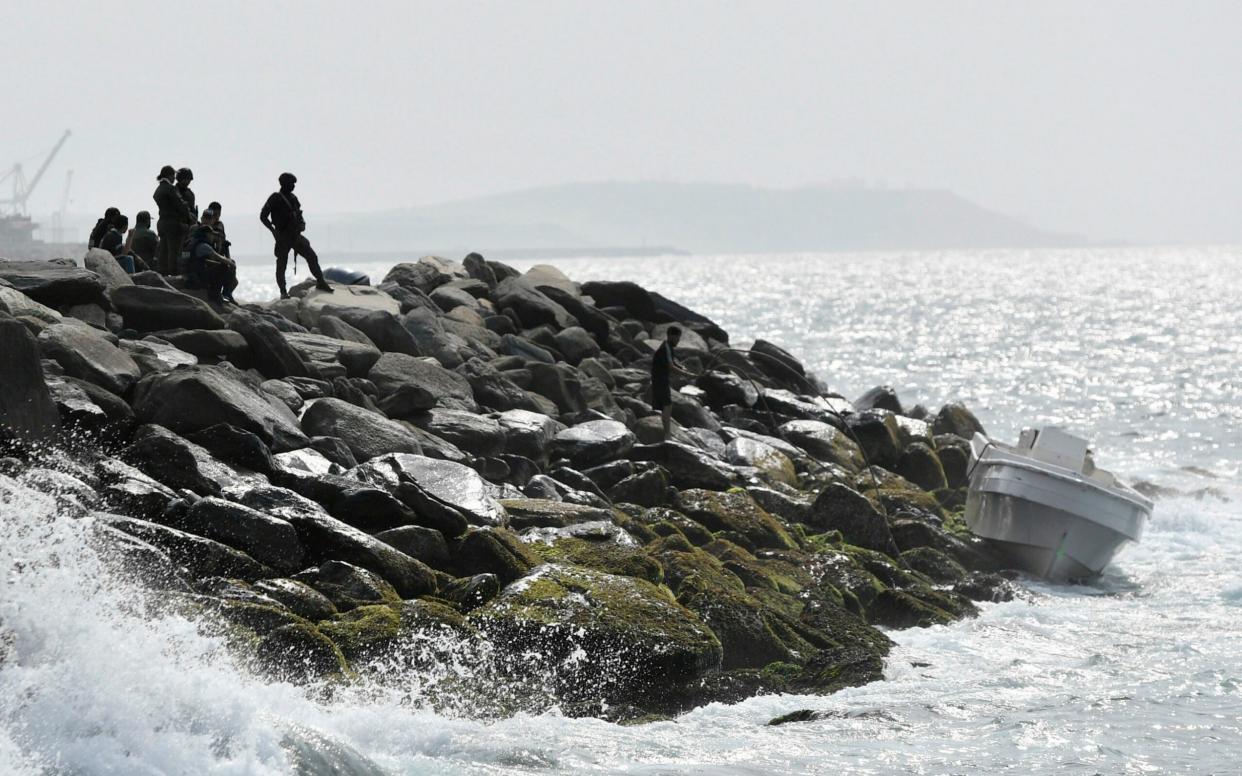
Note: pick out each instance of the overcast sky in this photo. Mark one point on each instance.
(1110, 119)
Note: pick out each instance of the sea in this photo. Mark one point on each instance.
(1139, 672)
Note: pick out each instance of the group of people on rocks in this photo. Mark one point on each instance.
(196, 246)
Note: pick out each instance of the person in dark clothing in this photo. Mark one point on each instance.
(662, 364)
(222, 241)
(184, 177)
(142, 241)
(101, 227)
(113, 240)
(213, 272)
(172, 225)
(116, 243)
(282, 215)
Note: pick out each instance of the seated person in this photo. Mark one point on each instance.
(114, 242)
(142, 241)
(101, 227)
(212, 271)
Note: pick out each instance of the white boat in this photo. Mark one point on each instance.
(1047, 508)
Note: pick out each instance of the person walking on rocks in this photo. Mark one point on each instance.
(662, 364)
(282, 215)
(173, 223)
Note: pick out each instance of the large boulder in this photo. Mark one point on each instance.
(208, 344)
(18, 305)
(528, 433)
(273, 355)
(316, 304)
(428, 332)
(823, 442)
(201, 556)
(27, 411)
(107, 268)
(155, 355)
(269, 540)
(632, 638)
(395, 370)
(688, 467)
(325, 538)
(881, 397)
(147, 308)
(532, 306)
(878, 435)
(426, 274)
(55, 283)
(177, 463)
(325, 352)
(955, 418)
(89, 355)
(194, 398)
(382, 327)
(920, 464)
(737, 513)
(771, 463)
(593, 442)
(448, 483)
(366, 433)
(473, 433)
(841, 508)
(622, 293)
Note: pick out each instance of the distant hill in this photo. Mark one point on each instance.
(698, 217)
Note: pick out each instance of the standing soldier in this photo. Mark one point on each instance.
(282, 215)
(173, 222)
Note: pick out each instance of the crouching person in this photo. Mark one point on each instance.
(211, 270)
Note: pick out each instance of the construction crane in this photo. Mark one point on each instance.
(58, 218)
(23, 189)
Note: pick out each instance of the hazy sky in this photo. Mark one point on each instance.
(1111, 119)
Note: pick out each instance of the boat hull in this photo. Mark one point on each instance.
(1050, 524)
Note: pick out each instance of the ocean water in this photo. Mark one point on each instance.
(1140, 672)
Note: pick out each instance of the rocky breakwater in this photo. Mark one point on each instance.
(350, 486)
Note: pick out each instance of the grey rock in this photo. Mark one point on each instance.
(202, 557)
(273, 355)
(209, 344)
(428, 332)
(423, 544)
(631, 296)
(267, 539)
(177, 463)
(90, 356)
(528, 433)
(394, 370)
(106, 267)
(532, 307)
(325, 538)
(881, 397)
(594, 442)
(476, 434)
(841, 508)
(380, 326)
(367, 434)
(193, 398)
(155, 355)
(147, 308)
(27, 411)
(55, 283)
(348, 586)
(298, 597)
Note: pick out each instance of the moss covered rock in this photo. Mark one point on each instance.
(735, 511)
(920, 465)
(610, 557)
(400, 632)
(934, 564)
(606, 635)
